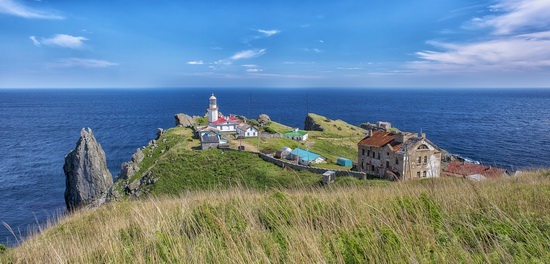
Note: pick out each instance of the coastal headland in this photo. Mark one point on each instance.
(175, 202)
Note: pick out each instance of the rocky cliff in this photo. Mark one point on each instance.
(311, 125)
(87, 177)
(185, 120)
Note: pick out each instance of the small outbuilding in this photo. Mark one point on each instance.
(283, 153)
(246, 130)
(344, 162)
(212, 139)
(305, 157)
(296, 134)
(328, 177)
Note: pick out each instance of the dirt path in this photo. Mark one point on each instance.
(247, 145)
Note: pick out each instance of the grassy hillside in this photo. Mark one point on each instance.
(337, 128)
(179, 166)
(339, 139)
(437, 221)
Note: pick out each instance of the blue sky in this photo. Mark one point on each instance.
(401, 43)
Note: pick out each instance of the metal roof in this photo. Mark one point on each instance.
(305, 155)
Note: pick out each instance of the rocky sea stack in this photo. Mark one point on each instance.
(87, 177)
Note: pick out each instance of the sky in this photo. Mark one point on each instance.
(274, 43)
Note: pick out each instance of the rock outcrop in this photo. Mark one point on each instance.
(263, 120)
(87, 177)
(128, 169)
(160, 132)
(184, 120)
(311, 125)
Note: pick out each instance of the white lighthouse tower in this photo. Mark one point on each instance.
(213, 109)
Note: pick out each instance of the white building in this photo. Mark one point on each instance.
(222, 123)
(246, 130)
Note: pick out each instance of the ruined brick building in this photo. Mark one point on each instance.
(398, 155)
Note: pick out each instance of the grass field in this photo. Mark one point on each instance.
(179, 166)
(437, 221)
(339, 139)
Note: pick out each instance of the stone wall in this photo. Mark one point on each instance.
(294, 166)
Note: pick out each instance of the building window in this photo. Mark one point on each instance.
(387, 153)
(373, 154)
(378, 155)
(396, 161)
(368, 153)
(363, 152)
(419, 160)
(426, 159)
(372, 168)
(418, 174)
(424, 174)
(387, 164)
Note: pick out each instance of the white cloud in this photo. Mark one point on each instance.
(14, 8)
(195, 62)
(35, 41)
(84, 63)
(254, 70)
(350, 68)
(298, 62)
(316, 50)
(517, 16)
(223, 62)
(248, 54)
(269, 33)
(293, 76)
(250, 65)
(62, 40)
(520, 42)
(514, 53)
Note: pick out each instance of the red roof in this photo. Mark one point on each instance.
(465, 169)
(378, 139)
(223, 120)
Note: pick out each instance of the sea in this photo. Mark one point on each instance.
(508, 128)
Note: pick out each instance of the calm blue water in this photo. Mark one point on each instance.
(38, 128)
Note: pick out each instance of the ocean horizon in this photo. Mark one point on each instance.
(507, 128)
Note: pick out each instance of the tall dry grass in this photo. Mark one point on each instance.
(444, 220)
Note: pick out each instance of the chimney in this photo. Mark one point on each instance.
(369, 133)
(423, 135)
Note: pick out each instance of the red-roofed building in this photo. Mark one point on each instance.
(226, 123)
(398, 155)
(217, 120)
(458, 168)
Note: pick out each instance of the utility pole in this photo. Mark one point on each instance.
(307, 103)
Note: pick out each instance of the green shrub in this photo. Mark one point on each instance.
(3, 248)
